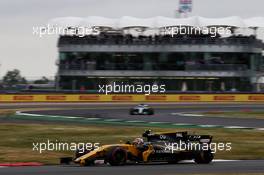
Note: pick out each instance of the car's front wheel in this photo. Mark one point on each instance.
(86, 162)
(131, 112)
(117, 156)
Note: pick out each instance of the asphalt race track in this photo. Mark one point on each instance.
(163, 113)
(249, 166)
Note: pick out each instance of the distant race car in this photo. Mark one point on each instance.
(141, 109)
(156, 148)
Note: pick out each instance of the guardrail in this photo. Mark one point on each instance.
(5, 98)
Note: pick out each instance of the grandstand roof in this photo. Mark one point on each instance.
(155, 22)
(98, 21)
(161, 21)
(255, 22)
(233, 21)
(128, 22)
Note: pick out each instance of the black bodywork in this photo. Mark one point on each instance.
(162, 142)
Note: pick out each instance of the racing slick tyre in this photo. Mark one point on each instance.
(117, 156)
(65, 160)
(131, 112)
(204, 157)
(150, 111)
(86, 162)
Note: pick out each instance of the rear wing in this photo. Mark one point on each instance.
(176, 136)
(200, 138)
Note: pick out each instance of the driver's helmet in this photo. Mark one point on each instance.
(138, 141)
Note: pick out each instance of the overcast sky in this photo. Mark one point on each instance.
(36, 57)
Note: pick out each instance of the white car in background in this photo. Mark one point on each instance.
(141, 109)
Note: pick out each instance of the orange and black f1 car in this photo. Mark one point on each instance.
(165, 147)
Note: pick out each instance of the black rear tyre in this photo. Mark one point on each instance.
(151, 112)
(204, 157)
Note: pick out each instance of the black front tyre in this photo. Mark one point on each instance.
(131, 112)
(117, 156)
(150, 112)
(87, 162)
(66, 160)
(204, 157)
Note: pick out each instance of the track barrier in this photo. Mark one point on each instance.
(9, 98)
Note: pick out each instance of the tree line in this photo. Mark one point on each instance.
(14, 77)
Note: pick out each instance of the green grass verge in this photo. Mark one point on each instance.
(17, 138)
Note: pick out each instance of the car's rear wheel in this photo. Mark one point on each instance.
(117, 156)
(150, 112)
(204, 157)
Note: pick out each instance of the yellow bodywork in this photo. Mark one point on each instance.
(102, 152)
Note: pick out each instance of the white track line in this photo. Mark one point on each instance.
(209, 126)
(94, 118)
(187, 114)
(28, 114)
(260, 129)
(134, 121)
(223, 160)
(113, 120)
(236, 127)
(182, 124)
(214, 160)
(158, 122)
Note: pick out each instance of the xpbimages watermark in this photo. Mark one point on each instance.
(70, 31)
(192, 30)
(195, 146)
(131, 88)
(63, 146)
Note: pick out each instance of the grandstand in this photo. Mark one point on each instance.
(139, 51)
